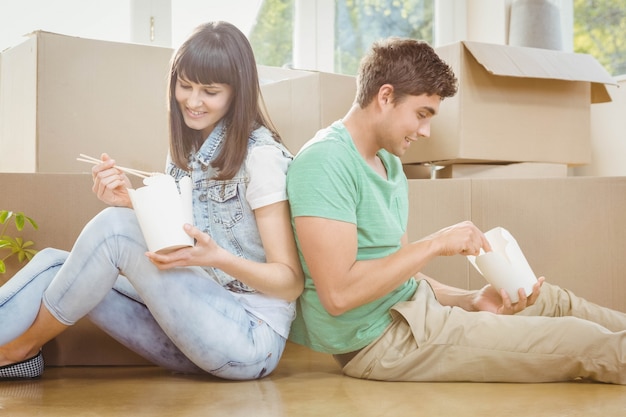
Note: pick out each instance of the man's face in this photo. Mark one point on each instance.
(407, 120)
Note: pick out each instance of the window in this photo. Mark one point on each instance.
(600, 30)
(358, 23)
(339, 32)
(272, 35)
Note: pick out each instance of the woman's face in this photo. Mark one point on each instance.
(202, 106)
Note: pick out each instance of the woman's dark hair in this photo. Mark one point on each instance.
(411, 66)
(218, 53)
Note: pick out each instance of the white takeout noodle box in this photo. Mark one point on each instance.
(505, 266)
(162, 211)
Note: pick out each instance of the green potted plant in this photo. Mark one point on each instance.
(15, 245)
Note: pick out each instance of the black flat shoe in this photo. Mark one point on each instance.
(26, 369)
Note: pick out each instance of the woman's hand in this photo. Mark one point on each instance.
(488, 299)
(204, 253)
(110, 184)
(279, 276)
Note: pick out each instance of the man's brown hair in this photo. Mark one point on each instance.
(411, 66)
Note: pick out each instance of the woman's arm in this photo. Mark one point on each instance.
(280, 276)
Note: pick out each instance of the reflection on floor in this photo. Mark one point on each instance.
(305, 384)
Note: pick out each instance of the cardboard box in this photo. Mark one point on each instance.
(433, 206)
(62, 204)
(302, 102)
(420, 171)
(571, 230)
(62, 95)
(514, 170)
(514, 104)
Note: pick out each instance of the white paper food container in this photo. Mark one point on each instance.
(505, 266)
(162, 211)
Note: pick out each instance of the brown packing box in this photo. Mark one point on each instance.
(515, 104)
(62, 95)
(571, 230)
(433, 206)
(62, 204)
(302, 102)
(514, 170)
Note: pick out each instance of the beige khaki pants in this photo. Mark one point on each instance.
(562, 337)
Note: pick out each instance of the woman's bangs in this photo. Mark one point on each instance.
(206, 68)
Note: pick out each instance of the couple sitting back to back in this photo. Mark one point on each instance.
(320, 238)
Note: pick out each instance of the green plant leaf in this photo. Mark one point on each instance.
(15, 244)
(30, 253)
(4, 215)
(27, 244)
(19, 221)
(32, 222)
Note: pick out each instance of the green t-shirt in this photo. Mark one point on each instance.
(329, 178)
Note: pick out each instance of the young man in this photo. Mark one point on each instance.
(365, 300)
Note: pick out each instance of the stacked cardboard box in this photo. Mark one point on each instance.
(572, 230)
(514, 104)
(62, 95)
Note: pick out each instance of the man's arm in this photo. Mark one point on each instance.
(343, 283)
(485, 299)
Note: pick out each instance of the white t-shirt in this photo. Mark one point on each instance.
(267, 167)
(268, 174)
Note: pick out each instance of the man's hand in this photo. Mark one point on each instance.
(459, 239)
(489, 299)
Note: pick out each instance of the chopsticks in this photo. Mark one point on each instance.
(131, 171)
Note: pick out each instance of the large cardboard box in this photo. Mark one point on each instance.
(302, 102)
(571, 230)
(62, 204)
(515, 104)
(62, 95)
(513, 170)
(510, 170)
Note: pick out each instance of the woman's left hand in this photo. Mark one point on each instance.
(204, 253)
(489, 299)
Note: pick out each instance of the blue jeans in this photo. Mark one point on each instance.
(180, 319)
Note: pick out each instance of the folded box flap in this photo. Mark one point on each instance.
(515, 61)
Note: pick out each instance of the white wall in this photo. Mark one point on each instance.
(120, 20)
(186, 14)
(488, 21)
(96, 19)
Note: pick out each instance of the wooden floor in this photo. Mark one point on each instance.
(305, 384)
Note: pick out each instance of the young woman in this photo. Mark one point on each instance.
(223, 306)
